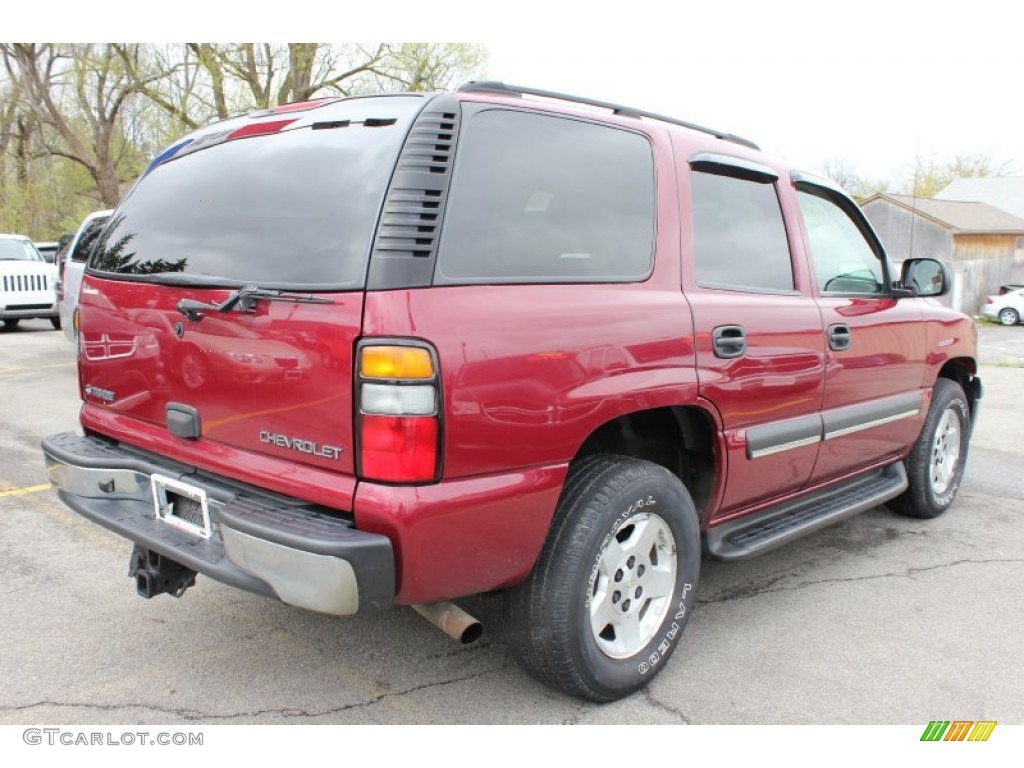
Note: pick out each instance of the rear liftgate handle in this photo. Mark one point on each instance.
(729, 341)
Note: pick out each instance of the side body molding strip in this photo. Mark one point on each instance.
(828, 425)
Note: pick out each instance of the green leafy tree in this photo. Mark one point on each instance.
(930, 175)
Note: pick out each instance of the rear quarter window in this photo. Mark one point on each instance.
(537, 198)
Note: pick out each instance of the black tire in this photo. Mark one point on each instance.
(55, 322)
(936, 463)
(580, 580)
(12, 321)
(1008, 316)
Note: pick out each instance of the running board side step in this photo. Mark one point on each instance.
(751, 535)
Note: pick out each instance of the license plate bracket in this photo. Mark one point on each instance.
(181, 505)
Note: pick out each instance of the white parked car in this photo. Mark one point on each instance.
(73, 267)
(27, 282)
(1007, 308)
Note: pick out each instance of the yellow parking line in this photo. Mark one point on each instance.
(25, 491)
(16, 368)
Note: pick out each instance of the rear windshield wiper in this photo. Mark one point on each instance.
(244, 300)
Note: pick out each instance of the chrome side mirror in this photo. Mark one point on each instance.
(925, 277)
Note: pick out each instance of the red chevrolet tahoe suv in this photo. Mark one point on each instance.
(401, 349)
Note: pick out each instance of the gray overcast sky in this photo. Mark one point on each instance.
(870, 82)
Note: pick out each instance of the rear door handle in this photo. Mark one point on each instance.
(839, 337)
(729, 341)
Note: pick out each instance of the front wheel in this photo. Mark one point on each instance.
(55, 322)
(607, 601)
(1008, 317)
(935, 465)
(10, 322)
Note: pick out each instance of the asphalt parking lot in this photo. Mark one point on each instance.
(879, 620)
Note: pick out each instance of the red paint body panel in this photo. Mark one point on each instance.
(886, 357)
(464, 536)
(282, 372)
(280, 475)
(533, 370)
(780, 377)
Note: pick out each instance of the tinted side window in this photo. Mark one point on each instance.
(88, 239)
(844, 261)
(546, 199)
(739, 236)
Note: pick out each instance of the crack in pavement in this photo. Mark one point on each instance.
(285, 712)
(654, 702)
(742, 594)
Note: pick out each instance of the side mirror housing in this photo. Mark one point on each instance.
(925, 277)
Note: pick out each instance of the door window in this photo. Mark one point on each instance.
(739, 237)
(844, 260)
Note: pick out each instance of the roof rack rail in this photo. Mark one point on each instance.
(504, 89)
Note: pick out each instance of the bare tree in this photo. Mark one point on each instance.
(77, 94)
(432, 66)
(169, 77)
(222, 79)
(845, 174)
(261, 75)
(79, 121)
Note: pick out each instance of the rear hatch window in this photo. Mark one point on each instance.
(289, 201)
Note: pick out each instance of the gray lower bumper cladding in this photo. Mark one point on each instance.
(300, 553)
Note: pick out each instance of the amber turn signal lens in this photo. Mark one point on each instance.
(395, 363)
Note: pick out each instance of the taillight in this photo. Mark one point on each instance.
(398, 404)
(989, 300)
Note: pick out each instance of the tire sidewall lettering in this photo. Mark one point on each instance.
(946, 498)
(671, 633)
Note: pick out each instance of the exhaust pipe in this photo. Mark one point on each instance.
(451, 620)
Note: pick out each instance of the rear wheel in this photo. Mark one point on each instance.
(1008, 316)
(615, 582)
(55, 322)
(935, 465)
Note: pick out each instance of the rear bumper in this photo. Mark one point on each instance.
(301, 553)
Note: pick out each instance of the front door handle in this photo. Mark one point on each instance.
(839, 337)
(729, 341)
